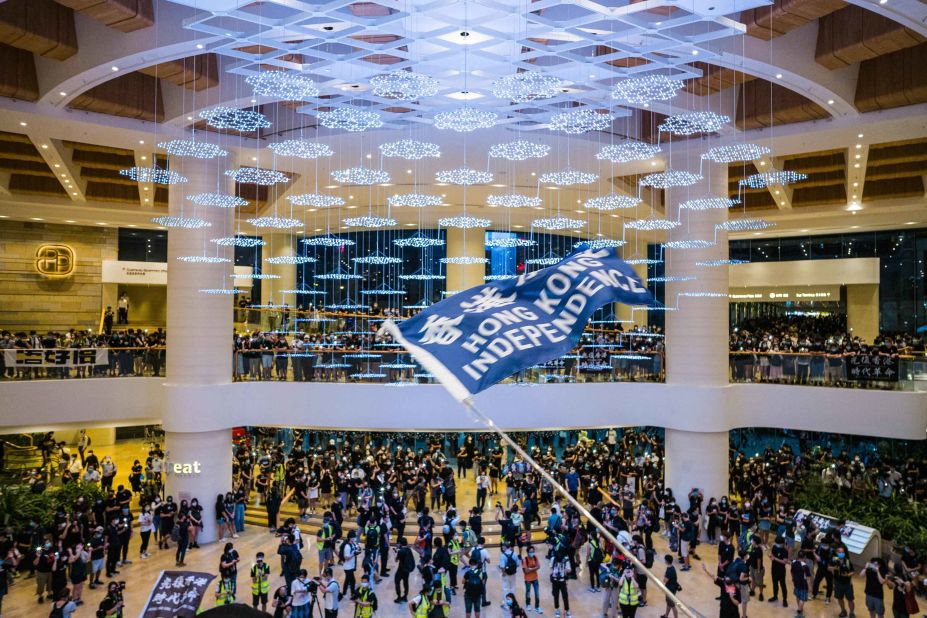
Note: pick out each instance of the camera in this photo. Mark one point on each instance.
(312, 585)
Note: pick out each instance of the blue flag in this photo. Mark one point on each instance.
(482, 335)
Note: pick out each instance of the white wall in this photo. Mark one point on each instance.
(847, 271)
(132, 401)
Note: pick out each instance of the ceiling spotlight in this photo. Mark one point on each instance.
(830, 101)
(778, 75)
(114, 68)
(22, 124)
(63, 93)
(199, 46)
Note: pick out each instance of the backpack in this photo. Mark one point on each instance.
(341, 557)
(473, 582)
(648, 558)
(372, 536)
(511, 567)
(175, 533)
(596, 554)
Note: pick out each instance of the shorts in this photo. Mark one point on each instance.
(801, 594)
(757, 575)
(259, 598)
(744, 593)
(875, 605)
(764, 525)
(472, 603)
(843, 590)
(97, 565)
(683, 548)
(326, 554)
(641, 581)
(670, 604)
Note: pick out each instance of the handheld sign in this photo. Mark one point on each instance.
(480, 336)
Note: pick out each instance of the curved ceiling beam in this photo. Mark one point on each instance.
(101, 50)
(794, 67)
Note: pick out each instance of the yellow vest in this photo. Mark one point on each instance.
(438, 594)
(363, 611)
(224, 593)
(260, 584)
(423, 607)
(454, 546)
(628, 595)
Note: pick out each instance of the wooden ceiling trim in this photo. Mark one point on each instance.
(194, 73)
(715, 79)
(18, 79)
(803, 196)
(20, 150)
(47, 186)
(108, 192)
(854, 34)
(19, 166)
(96, 148)
(43, 27)
(783, 16)
(895, 170)
(123, 15)
(102, 160)
(105, 175)
(757, 96)
(133, 95)
(893, 188)
(893, 80)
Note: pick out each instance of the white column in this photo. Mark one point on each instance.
(697, 333)
(199, 346)
(465, 243)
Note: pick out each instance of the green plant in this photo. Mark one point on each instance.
(19, 505)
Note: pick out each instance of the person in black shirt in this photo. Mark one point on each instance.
(755, 564)
(822, 558)
(113, 545)
(730, 594)
(779, 559)
(875, 572)
(842, 572)
(405, 565)
(166, 511)
(228, 567)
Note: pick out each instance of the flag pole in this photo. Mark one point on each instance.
(488, 422)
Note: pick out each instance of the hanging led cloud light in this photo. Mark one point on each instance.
(499, 278)
(285, 85)
(612, 201)
(557, 223)
(631, 150)
(360, 176)
(519, 150)
(290, 259)
(463, 176)
(301, 149)
(403, 85)
(643, 261)
(526, 86)
(689, 244)
(773, 177)
(463, 222)
(410, 149)
(239, 241)
(513, 200)
(708, 203)
(153, 174)
(744, 225)
(190, 148)
(669, 279)
(463, 259)
(377, 259)
(279, 223)
(241, 120)
(643, 90)
(543, 261)
(670, 179)
(219, 291)
(734, 153)
(703, 294)
(568, 177)
(419, 242)
(349, 119)
(509, 243)
(422, 276)
(414, 200)
(580, 121)
(218, 200)
(327, 241)
(652, 225)
(190, 223)
(728, 262)
(255, 276)
(601, 243)
(203, 259)
(693, 123)
(383, 292)
(338, 275)
(369, 221)
(316, 200)
(256, 176)
(465, 119)
(305, 292)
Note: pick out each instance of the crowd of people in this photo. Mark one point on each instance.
(388, 507)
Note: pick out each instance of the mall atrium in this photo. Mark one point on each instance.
(231, 229)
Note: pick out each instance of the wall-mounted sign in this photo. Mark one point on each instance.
(781, 294)
(184, 468)
(138, 273)
(55, 260)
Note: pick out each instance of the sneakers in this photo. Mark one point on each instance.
(842, 614)
(785, 604)
(827, 601)
(557, 613)
(772, 600)
(569, 615)
(538, 610)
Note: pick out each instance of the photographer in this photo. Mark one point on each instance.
(559, 573)
(290, 557)
(44, 564)
(303, 591)
(629, 593)
(331, 592)
(112, 604)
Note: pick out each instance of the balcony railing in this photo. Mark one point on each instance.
(385, 364)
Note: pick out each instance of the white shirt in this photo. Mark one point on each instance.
(331, 599)
(300, 592)
(350, 557)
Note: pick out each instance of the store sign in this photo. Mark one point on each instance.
(55, 260)
(184, 468)
(781, 294)
(137, 273)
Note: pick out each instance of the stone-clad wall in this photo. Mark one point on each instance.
(29, 300)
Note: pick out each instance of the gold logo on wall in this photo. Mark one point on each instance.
(55, 260)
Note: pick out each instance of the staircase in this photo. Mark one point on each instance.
(17, 460)
(492, 532)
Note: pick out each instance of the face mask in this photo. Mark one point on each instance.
(508, 602)
(841, 555)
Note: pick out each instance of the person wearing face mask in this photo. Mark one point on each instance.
(145, 526)
(366, 602)
(260, 581)
(195, 515)
(779, 560)
(842, 572)
(511, 608)
(530, 568)
(166, 511)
